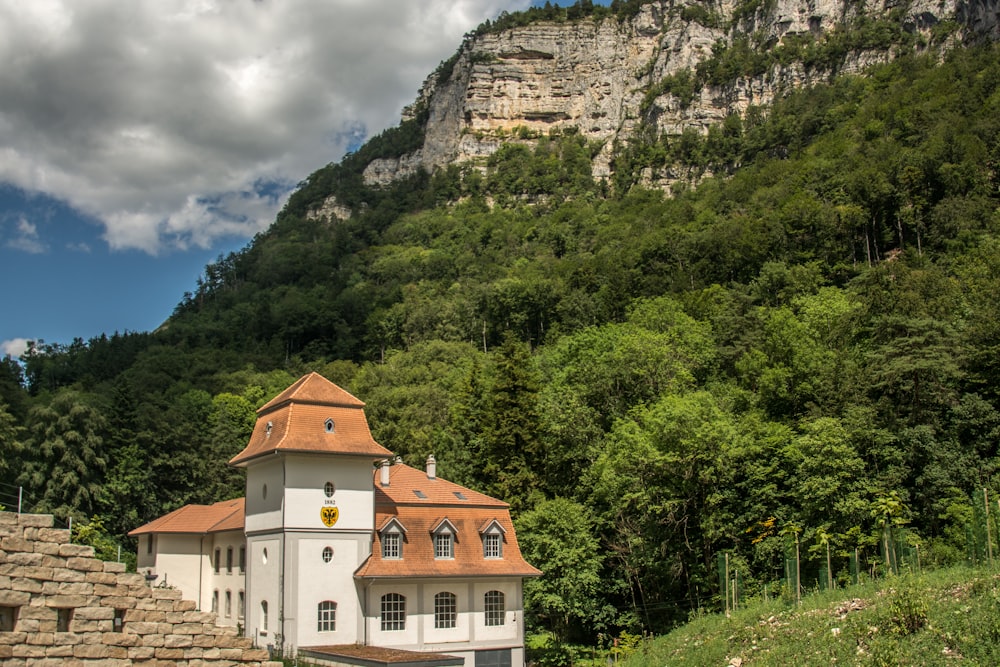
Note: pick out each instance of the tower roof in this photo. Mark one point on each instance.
(312, 416)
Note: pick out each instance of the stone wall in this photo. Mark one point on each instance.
(112, 618)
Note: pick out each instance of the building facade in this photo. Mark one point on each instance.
(337, 548)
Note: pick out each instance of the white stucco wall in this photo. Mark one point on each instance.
(316, 581)
(354, 498)
(262, 584)
(264, 512)
(226, 579)
(178, 558)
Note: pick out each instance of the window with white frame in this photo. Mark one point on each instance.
(444, 545)
(445, 610)
(492, 545)
(494, 607)
(327, 616)
(393, 612)
(392, 545)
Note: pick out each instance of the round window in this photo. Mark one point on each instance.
(329, 489)
(327, 554)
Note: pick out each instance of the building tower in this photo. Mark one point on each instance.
(309, 515)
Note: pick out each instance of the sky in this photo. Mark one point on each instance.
(141, 140)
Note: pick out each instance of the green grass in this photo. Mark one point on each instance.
(946, 617)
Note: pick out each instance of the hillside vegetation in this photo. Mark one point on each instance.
(802, 347)
(945, 618)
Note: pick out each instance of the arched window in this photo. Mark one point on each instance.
(445, 610)
(263, 615)
(327, 616)
(494, 607)
(393, 612)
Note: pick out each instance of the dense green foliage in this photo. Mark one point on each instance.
(805, 347)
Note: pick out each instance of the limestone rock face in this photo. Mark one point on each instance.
(594, 75)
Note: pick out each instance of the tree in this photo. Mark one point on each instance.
(558, 537)
(65, 466)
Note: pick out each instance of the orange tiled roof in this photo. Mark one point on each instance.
(420, 516)
(295, 421)
(198, 519)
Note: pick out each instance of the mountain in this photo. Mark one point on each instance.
(681, 283)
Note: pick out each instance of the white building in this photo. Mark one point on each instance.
(342, 561)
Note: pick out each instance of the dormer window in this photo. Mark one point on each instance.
(392, 540)
(267, 429)
(492, 534)
(329, 426)
(444, 539)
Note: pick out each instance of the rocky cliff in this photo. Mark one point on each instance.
(608, 77)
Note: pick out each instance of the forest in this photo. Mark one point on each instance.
(801, 344)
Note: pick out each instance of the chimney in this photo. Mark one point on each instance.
(431, 467)
(385, 473)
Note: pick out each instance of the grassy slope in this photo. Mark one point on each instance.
(942, 618)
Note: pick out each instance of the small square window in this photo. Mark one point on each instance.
(119, 620)
(8, 619)
(64, 617)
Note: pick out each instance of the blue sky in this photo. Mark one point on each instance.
(138, 141)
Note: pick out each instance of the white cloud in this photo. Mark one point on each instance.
(26, 238)
(159, 119)
(14, 347)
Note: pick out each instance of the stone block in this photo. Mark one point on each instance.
(8, 518)
(140, 592)
(28, 651)
(85, 564)
(61, 574)
(35, 520)
(133, 579)
(163, 605)
(186, 605)
(11, 598)
(39, 638)
(10, 638)
(92, 651)
(68, 601)
(94, 614)
(12, 544)
(175, 617)
(50, 588)
(122, 602)
(9, 569)
(198, 617)
(120, 639)
(4, 582)
(66, 638)
(177, 641)
(26, 558)
(140, 652)
(57, 535)
(108, 591)
(85, 626)
(26, 585)
(36, 572)
(163, 653)
(166, 594)
(114, 568)
(76, 588)
(47, 548)
(5, 651)
(142, 627)
(231, 654)
(76, 551)
(256, 654)
(106, 578)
